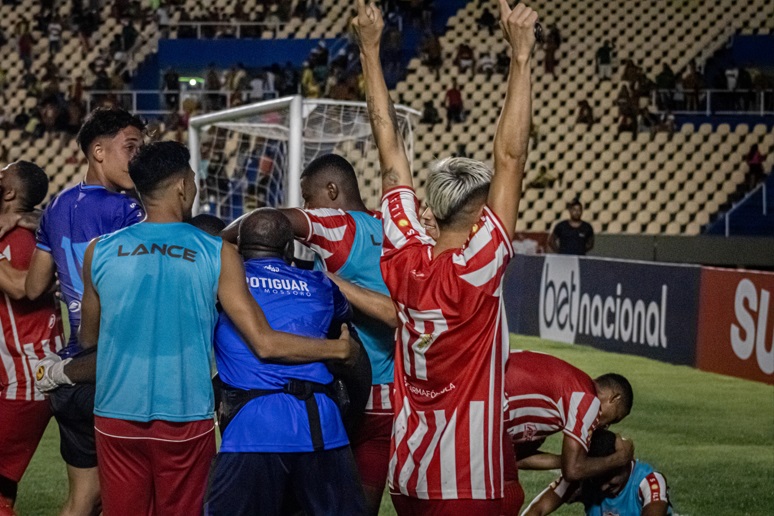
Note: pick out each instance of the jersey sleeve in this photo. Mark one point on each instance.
(342, 312)
(131, 214)
(400, 220)
(582, 416)
(483, 259)
(330, 234)
(41, 235)
(18, 246)
(570, 492)
(653, 488)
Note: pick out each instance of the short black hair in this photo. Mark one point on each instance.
(265, 229)
(208, 223)
(574, 202)
(156, 162)
(105, 122)
(618, 383)
(333, 167)
(34, 184)
(602, 443)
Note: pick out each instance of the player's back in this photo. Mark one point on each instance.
(450, 355)
(158, 287)
(293, 300)
(75, 217)
(544, 394)
(296, 301)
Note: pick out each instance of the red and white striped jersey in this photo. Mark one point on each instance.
(380, 401)
(546, 395)
(450, 355)
(30, 330)
(331, 235)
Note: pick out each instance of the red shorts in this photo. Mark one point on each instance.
(371, 443)
(407, 506)
(153, 468)
(22, 424)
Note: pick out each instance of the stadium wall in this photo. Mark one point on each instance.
(713, 319)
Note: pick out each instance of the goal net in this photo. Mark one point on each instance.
(252, 156)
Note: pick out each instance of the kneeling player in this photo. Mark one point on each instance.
(546, 395)
(634, 489)
(301, 448)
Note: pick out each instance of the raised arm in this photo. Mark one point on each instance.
(512, 136)
(267, 344)
(368, 25)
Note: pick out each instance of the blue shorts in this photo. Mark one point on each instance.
(323, 482)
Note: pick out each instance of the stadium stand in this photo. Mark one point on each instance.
(630, 183)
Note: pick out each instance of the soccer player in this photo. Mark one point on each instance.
(31, 331)
(109, 138)
(446, 451)
(546, 395)
(633, 489)
(302, 447)
(149, 298)
(347, 239)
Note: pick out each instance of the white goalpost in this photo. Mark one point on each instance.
(252, 156)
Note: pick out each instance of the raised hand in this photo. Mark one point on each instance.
(368, 25)
(518, 25)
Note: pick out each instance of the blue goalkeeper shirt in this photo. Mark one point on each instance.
(644, 486)
(69, 223)
(297, 301)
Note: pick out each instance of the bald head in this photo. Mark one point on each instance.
(266, 232)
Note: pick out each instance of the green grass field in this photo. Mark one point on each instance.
(711, 435)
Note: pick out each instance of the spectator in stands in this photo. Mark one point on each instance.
(503, 63)
(488, 21)
(486, 65)
(128, 35)
(309, 87)
(551, 47)
(755, 173)
(213, 99)
(171, 88)
(665, 84)
(630, 72)
(87, 25)
(572, 236)
(25, 44)
(643, 87)
(55, 36)
(314, 10)
(585, 114)
(604, 59)
(290, 79)
(432, 54)
(465, 59)
(392, 49)
(454, 105)
(624, 101)
(666, 123)
(430, 114)
(647, 121)
(627, 122)
(746, 99)
(543, 179)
